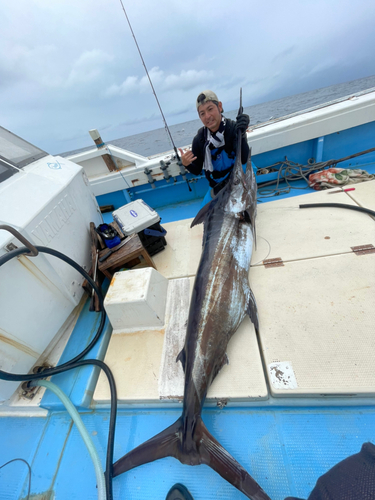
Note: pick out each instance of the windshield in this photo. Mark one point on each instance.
(15, 153)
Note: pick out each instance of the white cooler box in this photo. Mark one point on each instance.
(138, 217)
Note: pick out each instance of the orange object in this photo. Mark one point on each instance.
(342, 191)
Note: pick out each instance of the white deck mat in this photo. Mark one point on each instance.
(181, 256)
(364, 194)
(146, 372)
(317, 325)
(286, 231)
(283, 230)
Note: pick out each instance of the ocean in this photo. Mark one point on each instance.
(157, 141)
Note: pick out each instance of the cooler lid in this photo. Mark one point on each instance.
(135, 216)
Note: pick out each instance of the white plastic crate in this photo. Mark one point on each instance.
(136, 300)
(135, 216)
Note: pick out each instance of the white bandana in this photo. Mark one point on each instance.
(213, 141)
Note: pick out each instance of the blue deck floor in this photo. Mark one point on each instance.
(285, 449)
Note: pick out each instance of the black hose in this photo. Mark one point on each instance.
(340, 205)
(112, 418)
(77, 361)
(52, 371)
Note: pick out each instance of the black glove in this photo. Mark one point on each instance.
(242, 122)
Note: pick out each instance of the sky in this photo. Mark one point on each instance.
(70, 66)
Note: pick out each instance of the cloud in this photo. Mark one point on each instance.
(61, 75)
(186, 80)
(22, 62)
(89, 67)
(40, 66)
(283, 54)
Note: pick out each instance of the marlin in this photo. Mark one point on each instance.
(220, 300)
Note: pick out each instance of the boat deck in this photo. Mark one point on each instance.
(284, 449)
(315, 311)
(300, 397)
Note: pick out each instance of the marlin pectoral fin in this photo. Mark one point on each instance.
(182, 357)
(201, 215)
(217, 457)
(252, 310)
(255, 235)
(162, 445)
(224, 361)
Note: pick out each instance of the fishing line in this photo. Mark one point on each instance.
(156, 97)
(148, 76)
(153, 90)
(269, 251)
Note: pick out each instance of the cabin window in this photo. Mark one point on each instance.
(6, 170)
(15, 153)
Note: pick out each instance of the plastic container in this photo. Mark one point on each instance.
(153, 238)
(135, 216)
(138, 217)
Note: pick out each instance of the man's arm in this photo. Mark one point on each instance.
(193, 159)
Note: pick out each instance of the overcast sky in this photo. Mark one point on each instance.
(69, 66)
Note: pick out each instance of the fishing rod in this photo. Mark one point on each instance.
(240, 110)
(182, 168)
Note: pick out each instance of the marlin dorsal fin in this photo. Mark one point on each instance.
(201, 215)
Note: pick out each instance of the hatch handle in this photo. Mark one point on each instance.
(33, 251)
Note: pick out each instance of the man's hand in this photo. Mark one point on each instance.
(242, 122)
(187, 157)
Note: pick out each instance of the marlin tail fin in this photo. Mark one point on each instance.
(199, 448)
(162, 445)
(217, 457)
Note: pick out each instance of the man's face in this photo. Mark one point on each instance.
(210, 114)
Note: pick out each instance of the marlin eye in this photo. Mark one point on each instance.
(246, 216)
(236, 181)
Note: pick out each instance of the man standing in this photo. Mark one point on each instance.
(214, 146)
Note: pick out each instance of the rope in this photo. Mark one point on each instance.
(291, 171)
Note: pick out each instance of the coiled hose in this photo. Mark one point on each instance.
(75, 362)
(71, 409)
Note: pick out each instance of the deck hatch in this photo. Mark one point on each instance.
(363, 249)
(275, 262)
